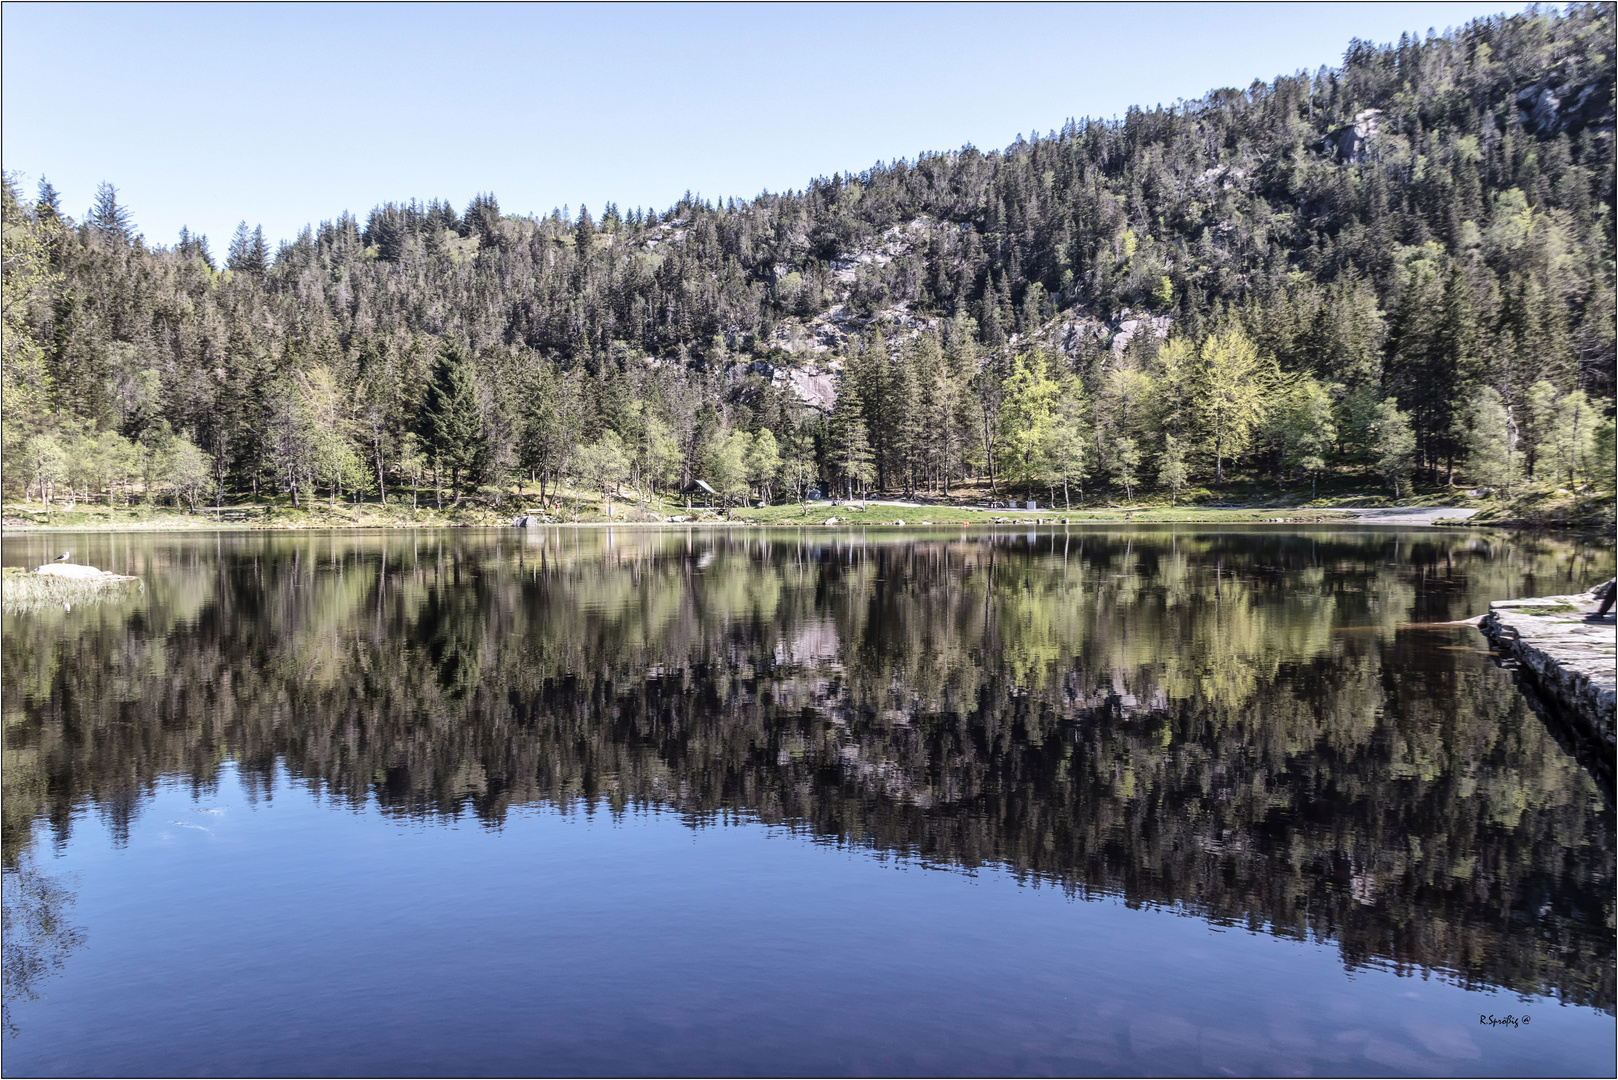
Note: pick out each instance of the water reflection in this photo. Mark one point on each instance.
(1240, 725)
(34, 922)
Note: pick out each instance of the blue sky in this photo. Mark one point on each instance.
(204, 115)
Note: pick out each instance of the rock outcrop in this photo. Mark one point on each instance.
(1553, 105)
(1352, 142)
(1569, 658)
(79, 573)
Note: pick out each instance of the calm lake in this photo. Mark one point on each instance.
(1158, 800)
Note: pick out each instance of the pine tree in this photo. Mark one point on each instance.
(49, 203)
(850, 450)
(584, 234)
(873, 377)
(452, 419)
(246, 253)
(108, 220)
(906, 420)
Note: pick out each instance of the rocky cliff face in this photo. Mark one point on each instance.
(1352, 142)
(1553, 105)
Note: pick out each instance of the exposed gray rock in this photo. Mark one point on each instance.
(79, 572)
(1352, 142)
(1551, 105)
(1131, 324)
(1571, 659)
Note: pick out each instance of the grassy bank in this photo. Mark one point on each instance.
(593, 511)
(884, 514)
(23, 593)
(1552, 508)
(1236, 503)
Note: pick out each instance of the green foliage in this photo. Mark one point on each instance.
(189, 471)
(850, 450)
(1395, 445)
(1466, 244)
(1026, 416)
(1066, 437)
(603, 463)
(1490, 456)
(726, 466)
(452, 421)
(1303, 427)
(1171, 472)
(1126, 466)
(1232, 392)
(763, 462)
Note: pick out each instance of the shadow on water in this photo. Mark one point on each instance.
(1230, 724)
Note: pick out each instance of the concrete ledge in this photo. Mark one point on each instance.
(1569, 657)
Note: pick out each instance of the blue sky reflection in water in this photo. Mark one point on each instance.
(410, 804)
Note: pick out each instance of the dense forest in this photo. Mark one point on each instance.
(1399, 271)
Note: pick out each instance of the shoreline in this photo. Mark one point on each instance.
(888, 516)
(1563, 656)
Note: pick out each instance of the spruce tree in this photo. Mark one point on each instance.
(108, 220)
(452, 419)
(850, 449)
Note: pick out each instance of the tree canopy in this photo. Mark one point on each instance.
(1429, 220)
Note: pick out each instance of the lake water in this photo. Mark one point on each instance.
(1164, 800)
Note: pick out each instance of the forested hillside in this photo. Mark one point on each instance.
(1398, 271)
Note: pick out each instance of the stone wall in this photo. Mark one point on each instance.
(1569, 657)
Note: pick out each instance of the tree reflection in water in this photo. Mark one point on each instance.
(37, 934)
(1238, 725)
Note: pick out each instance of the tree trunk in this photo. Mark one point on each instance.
(988, 452)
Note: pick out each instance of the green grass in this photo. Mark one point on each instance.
(1545, 507)
(1239, 501)
(873, 514)
(483, 509)
(1558, 608)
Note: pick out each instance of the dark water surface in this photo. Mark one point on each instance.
(1148, 801)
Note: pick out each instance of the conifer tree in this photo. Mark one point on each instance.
(850, 447)
(452, 419)
(108, 220)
